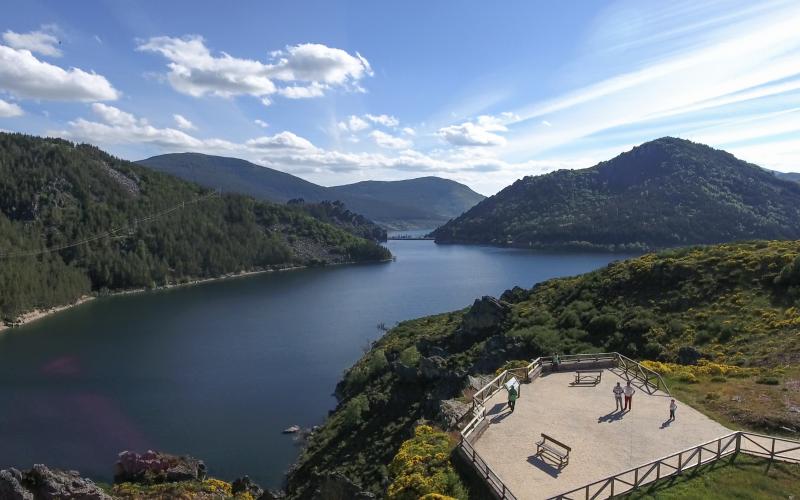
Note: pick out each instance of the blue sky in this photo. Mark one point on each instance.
(338, 92)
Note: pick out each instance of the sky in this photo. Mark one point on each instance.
(483, 93)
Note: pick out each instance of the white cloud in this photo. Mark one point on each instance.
(309, 69)
(261, 123)
(183, 122)
(282, 140)
(385, 140)
(481, 132)
(9, 109)
(546, 123)
(409, 131)
(385, 120)
(120, 127)
(42, 41)
(353, 124)
(22, 74)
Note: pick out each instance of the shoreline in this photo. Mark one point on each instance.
(36, 314)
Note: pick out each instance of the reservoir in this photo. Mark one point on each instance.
(217, 370)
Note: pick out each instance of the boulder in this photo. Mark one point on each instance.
(433, 367)
(155, 467)
(484, 318)
(42, 483)
(452, 412)
(11, 486)
(246, 485)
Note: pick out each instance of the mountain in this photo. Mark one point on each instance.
(415, 203)
(75, 220)
(788, 176)
(442, 199)
(665, 193)
(726, 314)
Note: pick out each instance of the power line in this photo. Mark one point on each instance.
(112, 232)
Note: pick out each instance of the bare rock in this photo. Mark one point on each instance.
(155, 467)
(433, 367)
(485, 317)
(42, 483)
(246, 485)
(452, 412)
(11, 486)
(294, 429)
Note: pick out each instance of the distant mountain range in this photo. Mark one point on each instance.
(664, 193)
(788, 176)
(421, 203)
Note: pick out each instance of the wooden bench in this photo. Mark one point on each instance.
(588, 377)
(554, 449)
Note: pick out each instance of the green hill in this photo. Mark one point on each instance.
(415, 203)
(788, 176)
(54, 193)
(665, 193)
(736, 306)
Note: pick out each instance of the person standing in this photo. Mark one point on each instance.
(672, 407)
(512, 398)
(629, 391)
(618, 391)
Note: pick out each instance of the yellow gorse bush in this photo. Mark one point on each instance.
(422, 466)
(703, 367)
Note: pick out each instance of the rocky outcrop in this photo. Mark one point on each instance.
(154, 467)
(42, 483)
(484, 318)
(246, 485)
(433, 367)
(452, 412)
(515, 295)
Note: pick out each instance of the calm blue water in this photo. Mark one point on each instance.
(218, 370)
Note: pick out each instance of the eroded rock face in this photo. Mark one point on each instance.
(154, 467)
(515, 295)
(485, 317)
(42, 483)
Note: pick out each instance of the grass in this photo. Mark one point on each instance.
(746, 478)
(746, 403)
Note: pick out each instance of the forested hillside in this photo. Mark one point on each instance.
(54, 193)
(665, 193)
(735, 307)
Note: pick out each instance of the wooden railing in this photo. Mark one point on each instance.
(771, 447)
(492, 480)
(651, 380)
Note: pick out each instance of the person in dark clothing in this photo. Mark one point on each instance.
(512, 398)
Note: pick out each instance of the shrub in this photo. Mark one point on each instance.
(768, 381)
(410, 357)
(687, 377)
(422, 467)
(603, 325)
(354, 410)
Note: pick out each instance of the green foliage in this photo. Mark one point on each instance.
(410, 357)
(354, 411)
(54, 193)
(336, 214)
(422, 467)
(665, 193)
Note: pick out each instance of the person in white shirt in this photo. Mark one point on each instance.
(629, 391)
(618, 391)
(672, 408)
